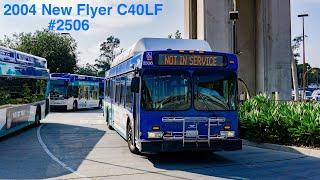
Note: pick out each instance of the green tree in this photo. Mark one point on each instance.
(300, 72)
(176, 35)
(296, 44)
(313, 76)
(59, 50)
(108, 51)
(87, 69)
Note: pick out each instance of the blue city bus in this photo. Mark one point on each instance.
(167, 95)
(23, 90)
(73, 92)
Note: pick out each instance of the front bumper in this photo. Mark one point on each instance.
(175, 146)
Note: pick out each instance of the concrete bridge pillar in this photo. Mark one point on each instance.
(264, 39)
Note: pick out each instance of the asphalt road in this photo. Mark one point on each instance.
(75, 145)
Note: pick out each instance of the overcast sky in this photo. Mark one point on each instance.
(130, 29)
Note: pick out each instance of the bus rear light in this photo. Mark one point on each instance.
(228, 134)
(155, 135)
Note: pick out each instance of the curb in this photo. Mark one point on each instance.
(290, 149)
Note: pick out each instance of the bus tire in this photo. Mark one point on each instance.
(75, 106)
(130, 139)
(37, 118)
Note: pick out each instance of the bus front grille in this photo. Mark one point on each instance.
(190, 129)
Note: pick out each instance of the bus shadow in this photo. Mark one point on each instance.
(193, 162)
(226, 165)
(23, 157)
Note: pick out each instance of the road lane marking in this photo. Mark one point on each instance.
(45, 148)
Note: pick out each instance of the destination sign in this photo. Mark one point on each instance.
(191, 60)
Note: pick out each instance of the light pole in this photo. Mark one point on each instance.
(304, 52)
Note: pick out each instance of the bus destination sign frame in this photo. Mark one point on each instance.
(201, 60)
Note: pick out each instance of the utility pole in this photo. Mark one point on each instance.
(304, 84)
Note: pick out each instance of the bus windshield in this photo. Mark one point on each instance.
(166, 91)
(215, 92)
(58, 88)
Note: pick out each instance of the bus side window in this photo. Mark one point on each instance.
(112, 88)
(21, 90)
(94, 92)
(122, 93)
(128, 95)
(76, 91)
(107, 88)
(117, 92)
(87, 91)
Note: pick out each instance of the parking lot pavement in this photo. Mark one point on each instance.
(73, 145)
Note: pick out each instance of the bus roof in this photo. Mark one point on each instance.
(17, 57)
(161, 44)
(73, 77)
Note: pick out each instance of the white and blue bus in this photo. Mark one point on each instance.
(23, 90)
(73, 92)
(174, 95)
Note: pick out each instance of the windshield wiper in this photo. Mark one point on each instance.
(220, 103)
(204, 101)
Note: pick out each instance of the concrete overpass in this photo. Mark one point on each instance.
(264, 39)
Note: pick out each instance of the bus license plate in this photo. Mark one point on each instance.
(192, 133)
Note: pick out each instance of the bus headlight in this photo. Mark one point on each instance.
(155, 135)
(228, 134)
(227, 127)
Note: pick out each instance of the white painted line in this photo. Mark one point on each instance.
(45, 148)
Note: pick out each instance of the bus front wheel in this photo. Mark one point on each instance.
(75, 106)
(130, 139)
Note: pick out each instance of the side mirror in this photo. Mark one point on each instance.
(135, 85)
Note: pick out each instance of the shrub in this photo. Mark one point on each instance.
(289, 123)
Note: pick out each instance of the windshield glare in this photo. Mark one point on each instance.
(166, 91)
(215, 92)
